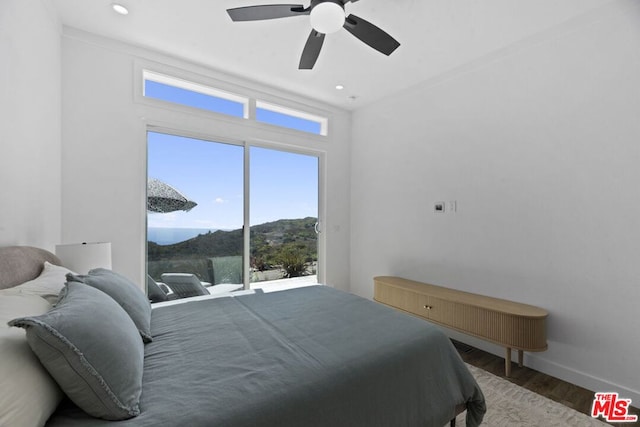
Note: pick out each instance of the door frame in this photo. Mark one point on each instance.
(321, 155)
(247, 144)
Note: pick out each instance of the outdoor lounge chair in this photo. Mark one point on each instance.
(159, 292)
(154, 291)
(184, 285)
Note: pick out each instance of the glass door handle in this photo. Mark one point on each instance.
(316, 227)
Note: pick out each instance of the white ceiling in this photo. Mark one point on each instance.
(436, 36)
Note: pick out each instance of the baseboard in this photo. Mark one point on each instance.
(538, 362)
(582, 379)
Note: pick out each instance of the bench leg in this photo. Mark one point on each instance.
(452, 423)
(507, 362)
(520, 358)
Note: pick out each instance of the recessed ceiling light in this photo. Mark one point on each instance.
(339, 87)
(120, 9)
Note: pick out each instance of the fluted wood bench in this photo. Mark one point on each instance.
(509, 324)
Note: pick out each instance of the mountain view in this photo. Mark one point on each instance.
(286, 244)
(171, 235)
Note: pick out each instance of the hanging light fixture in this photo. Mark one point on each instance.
(327, 16)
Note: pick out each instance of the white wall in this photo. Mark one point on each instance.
(104, 148)
(540, 147)
(29, 124)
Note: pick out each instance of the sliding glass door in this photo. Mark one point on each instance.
(202, 196)
(283, 219)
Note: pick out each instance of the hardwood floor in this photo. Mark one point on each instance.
(573, 396)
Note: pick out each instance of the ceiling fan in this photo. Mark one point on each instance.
(327, 16)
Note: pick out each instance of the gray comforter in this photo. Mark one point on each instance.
(306, 357)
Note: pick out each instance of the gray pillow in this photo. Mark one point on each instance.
(125, 292)
(92, 349)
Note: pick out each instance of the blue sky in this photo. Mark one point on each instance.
(282, 185)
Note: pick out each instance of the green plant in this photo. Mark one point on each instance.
(259, 264)
(293, 263)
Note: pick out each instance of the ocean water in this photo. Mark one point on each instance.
(169, 236)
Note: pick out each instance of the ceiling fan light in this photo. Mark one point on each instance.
(327, 17)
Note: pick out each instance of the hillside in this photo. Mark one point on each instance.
(271, 243)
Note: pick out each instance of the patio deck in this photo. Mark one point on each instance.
(283, 284)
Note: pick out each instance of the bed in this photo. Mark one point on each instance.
(312, 356)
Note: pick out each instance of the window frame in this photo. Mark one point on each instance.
(246, 145)
(148, 75)
(180, 120)
(276, 108)
(250, 98)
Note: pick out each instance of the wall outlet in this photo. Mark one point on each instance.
(453, 206)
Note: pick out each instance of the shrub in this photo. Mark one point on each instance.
(293, 263)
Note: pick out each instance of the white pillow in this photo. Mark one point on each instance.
(47, 285)
(28, 394)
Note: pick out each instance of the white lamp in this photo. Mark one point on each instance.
(327, 17)
(82, 257)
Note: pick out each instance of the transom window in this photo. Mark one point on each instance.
(183, 92)
(207, 98)
(290, 118)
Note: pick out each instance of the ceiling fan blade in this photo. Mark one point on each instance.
(371, 35)
(311, 50)
(267, 11)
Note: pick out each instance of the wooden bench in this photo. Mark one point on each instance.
(509, 324)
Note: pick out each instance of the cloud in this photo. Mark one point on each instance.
(220, 200)
(161, 219)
